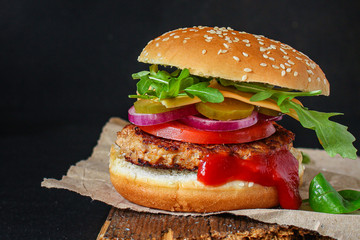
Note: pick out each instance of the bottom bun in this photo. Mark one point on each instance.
(175, 190)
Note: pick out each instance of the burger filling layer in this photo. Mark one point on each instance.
(268, 162)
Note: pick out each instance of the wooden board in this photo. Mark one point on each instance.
(127, 224)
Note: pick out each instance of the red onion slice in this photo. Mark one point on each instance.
(220, 126)
(145, 119)
(264, 117)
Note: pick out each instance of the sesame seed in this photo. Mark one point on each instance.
(283, 51)
(286, 57)
(227, 38)
(250, 184)
(203, 51)
(291, 62)
(273, 46)
(244, 77)
(187, 38)
(236, 39)
(288, 70)
(265, 56)
(271, 58)
(176, 36)
(208, 40)
(165, 39)
(157, 39)
(229, 28)
(211, 31)
(247, 70)
(261, 43)
(313, 65)
(318, 79)
(262, 49)
(184, 41)
(172, 34)
(224, 51)
(324, 81)
(298, 58)
(184, 31)
(286, 64)
(309, 79)
(245, 40)
(146, 54)
(225, 45)
(309, 71)
(220, 35)
(274, 66)
(219, 52)
(236, 58)
(233, 33)
(283, 73)
(241, 184)
(157, 44)
(248, 45)
(282, 66)
(245, 54)
(263, 64)
(296, 73)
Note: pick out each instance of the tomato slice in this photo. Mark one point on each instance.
(179, 131)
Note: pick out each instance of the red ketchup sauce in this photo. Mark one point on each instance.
(279, 169)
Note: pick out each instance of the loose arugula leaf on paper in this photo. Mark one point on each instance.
(333, 136)
(324, 198)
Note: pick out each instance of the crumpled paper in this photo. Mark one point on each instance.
(91, 178)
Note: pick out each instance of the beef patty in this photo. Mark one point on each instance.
(144, 149)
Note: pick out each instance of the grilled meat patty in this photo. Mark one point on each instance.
(144, 149)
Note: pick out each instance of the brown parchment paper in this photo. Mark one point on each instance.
(91, 178)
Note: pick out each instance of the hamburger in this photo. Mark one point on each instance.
(204, 135)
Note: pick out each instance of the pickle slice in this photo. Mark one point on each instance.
(268, 111)
(150, 106)
(229, 109)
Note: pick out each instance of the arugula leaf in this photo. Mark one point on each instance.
(205, 93)
(143, 85)
(305, 158)
(324, 198)
(333, 136)
(161, 84)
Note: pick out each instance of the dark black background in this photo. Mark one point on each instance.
(65, 69)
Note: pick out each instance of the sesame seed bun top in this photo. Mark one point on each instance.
(237, 56)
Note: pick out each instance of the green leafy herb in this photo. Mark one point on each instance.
(206, 94)
(333, 136)
(160, 84)
(305, 158)
(324, 198)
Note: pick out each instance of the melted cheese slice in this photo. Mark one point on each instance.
(229, 93)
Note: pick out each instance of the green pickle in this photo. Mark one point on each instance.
(268, 111)
(150, 106)
(229, 109)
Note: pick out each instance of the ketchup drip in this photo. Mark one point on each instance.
(278, 169)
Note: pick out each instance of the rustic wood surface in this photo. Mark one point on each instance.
(127, 224)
